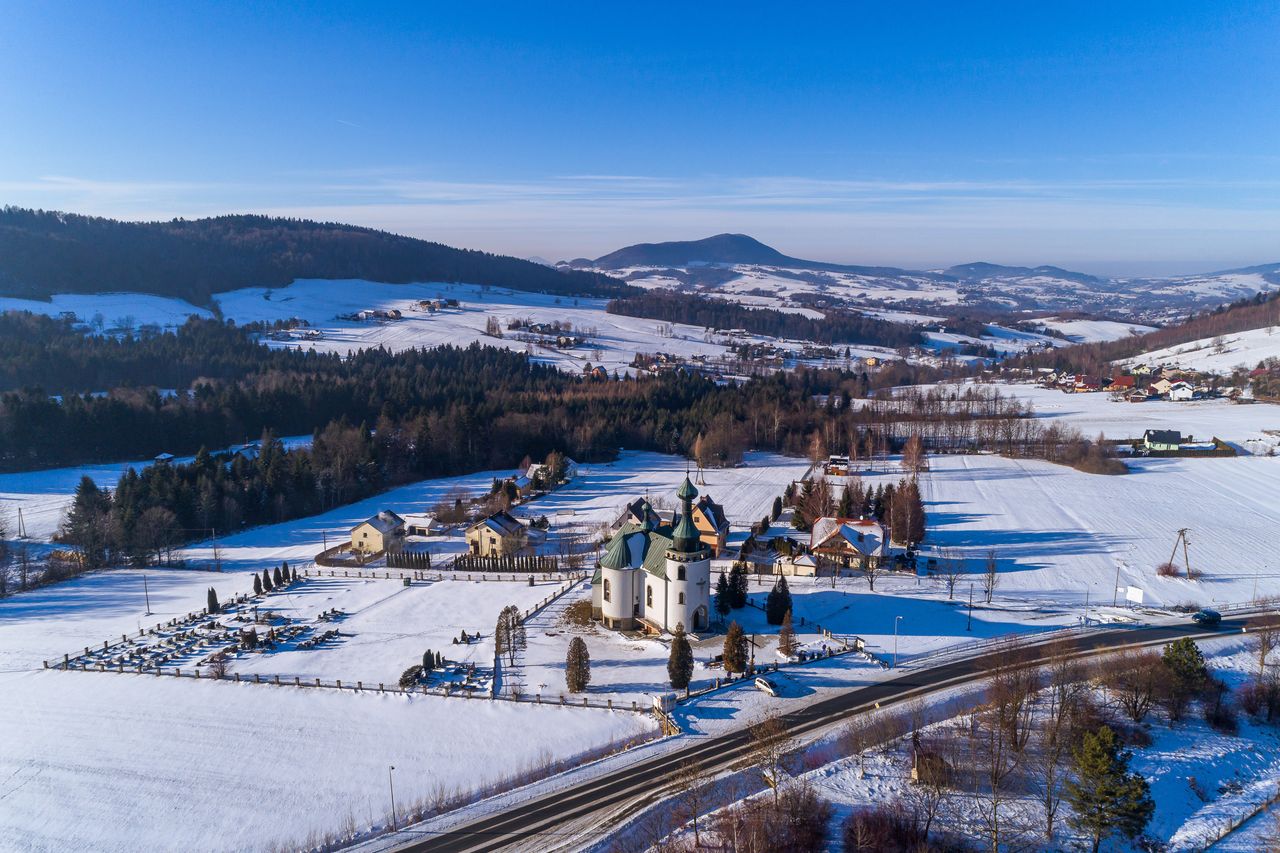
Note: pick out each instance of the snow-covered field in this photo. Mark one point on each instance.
(1095, 413)
(1219, 354)
(613, 344)
(97, 760)
(1059, 532)
(1095, 331)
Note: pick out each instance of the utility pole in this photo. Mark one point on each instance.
(391, 783)
(22, 525)
(147, 594)
(969, 625)
(1115, 595)
(896, 620)
(1085, 618)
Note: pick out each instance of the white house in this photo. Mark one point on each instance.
(849, 541)
(655, 575)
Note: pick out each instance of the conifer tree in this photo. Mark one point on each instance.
(738, 586)
(787, 636)
(577, 666)
(778, 604)
(1187, 675)
(724, 596)
(777, 508)
(293, 572)
(276, 578)
(735, 649)
(439, 660)
(266, 581)
(257, 585)
(1104, 795)
(428, 661)
(680, 661)
(213, 602)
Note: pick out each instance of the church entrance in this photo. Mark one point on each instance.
(700, 619)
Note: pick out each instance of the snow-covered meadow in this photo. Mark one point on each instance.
(93, 760)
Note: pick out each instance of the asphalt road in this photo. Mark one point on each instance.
(579, 814)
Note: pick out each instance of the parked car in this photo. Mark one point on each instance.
(1207, 618)
(767, 686)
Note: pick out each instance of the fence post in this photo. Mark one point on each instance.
(277, 681)
(297, 682)
(257, 679)
(359, 685)
(237, 675)
(339, 682)
(317, 682)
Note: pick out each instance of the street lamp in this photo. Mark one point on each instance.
(391, 783)
(896, 620)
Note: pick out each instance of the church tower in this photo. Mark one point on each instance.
(688, 565)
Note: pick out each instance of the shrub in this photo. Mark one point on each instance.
(1167, 570)
(411, 676)
(881, 829)
(579, 613)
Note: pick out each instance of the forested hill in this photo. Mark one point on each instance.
(1257, 312)
(45, 252)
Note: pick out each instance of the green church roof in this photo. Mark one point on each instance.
(687, 491)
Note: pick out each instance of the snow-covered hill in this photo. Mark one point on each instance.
(737, 266)
(1221, 354)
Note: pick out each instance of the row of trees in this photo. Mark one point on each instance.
(836, 327)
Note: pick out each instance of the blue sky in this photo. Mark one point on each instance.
(1114, 137)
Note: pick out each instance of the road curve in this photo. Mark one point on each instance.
(643, 782)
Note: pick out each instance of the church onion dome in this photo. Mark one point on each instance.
(687, 492)
(617, 555)
(686, 537)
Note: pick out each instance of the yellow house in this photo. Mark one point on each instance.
(499, 535)
(713, 527)
(378, 533)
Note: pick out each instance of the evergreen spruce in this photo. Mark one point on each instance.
(257, 585)
(680, 661)
(778, 604)
(293, 573)
(276, 578)
(724, 596)
(1104, 796)
(266, 581)
(213, 605)
(777, 508)
(439, 660)
(738, 586)
(577, 666)
(735, 649)
(428, 661)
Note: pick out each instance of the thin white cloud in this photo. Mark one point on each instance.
(901, 222)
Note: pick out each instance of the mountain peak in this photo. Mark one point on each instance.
(718, 249)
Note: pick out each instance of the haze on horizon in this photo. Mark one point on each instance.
(1130, 140)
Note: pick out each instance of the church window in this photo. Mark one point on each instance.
(680, 573)
(606, 591)
(682, 598)
(648, 596)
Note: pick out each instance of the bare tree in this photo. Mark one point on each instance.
(990, 575)
(913, 456)
(1133, 677)
(932, 775)
(872, 568)
(950, 569)
(691, 781)
(1265, 640)
(1065, 677)
(770, 743)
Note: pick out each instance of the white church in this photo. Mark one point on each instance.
(655, 576)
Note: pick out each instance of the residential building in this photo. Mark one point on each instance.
(1161, 440)
(377, 534)
(713, 527)
(498, 535)
(849, 542)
